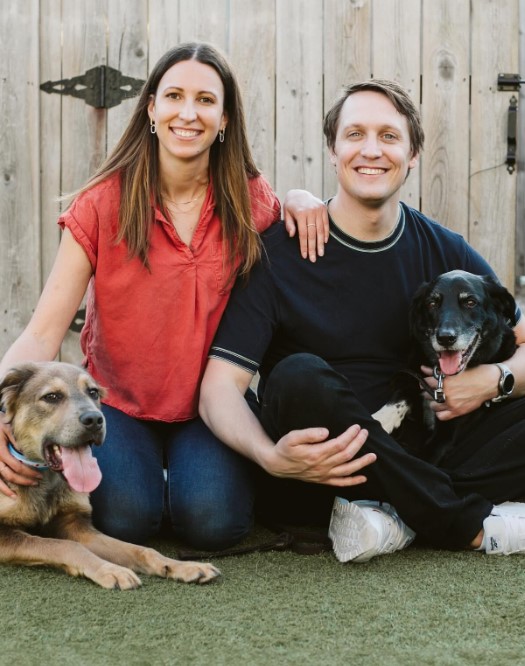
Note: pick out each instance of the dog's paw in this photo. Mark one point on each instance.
(114, 577)
(191, 572)
(391, 415)
(153, 563)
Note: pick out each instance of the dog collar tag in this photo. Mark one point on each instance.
(439, 393)
(19, 456)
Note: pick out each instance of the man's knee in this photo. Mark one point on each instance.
(303, 381)
(300, 371)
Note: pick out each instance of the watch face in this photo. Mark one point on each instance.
(507, 383)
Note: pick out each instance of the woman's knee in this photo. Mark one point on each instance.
(210, 524)
(126, 516)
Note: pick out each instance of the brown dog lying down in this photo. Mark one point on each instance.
(54, 411)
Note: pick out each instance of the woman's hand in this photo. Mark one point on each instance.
(308, 215)
(11, 469)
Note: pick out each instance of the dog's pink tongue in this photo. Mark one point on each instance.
(449, 362)
(80, 468)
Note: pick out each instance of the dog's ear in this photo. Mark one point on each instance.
(418, 310)
(503, 300)
(12, 383)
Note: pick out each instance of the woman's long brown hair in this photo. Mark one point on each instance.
(135, 157)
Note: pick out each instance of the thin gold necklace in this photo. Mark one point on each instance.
(185, 203)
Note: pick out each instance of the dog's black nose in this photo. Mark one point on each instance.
(92, 420)
(446, 337)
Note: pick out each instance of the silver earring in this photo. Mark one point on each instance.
(221, 135)
(152, 127)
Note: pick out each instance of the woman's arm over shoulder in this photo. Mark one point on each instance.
(302, 213)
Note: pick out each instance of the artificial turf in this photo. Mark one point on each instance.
(416, 607)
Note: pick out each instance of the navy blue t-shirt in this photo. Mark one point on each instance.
(350, 307)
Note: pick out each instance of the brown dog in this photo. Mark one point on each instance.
(54, 412)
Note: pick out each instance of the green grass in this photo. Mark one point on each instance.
(416, 607)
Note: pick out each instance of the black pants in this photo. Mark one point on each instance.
(445, 506)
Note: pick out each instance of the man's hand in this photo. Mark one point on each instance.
(464, 392)
(307, 455)
(11, 469)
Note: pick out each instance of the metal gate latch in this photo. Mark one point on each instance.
(510, 83)
(102, 87)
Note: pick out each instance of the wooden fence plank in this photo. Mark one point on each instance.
(299, 101)
(50, 129)
(396, 55)
(20, 278)
(251, 49)
(127, 52)
(205, 21)
(520, 184)
(446, 112)
(347, 58)
(164, 28)
(492, 188)
(84, 47)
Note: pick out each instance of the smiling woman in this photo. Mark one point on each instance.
(187, 113)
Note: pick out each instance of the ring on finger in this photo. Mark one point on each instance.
(310, 225)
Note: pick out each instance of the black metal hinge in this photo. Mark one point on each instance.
(511, 83)
(102, 87)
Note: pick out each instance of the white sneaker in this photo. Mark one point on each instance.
(505, 529)
(362, 529)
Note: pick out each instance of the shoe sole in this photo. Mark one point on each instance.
(352, 535)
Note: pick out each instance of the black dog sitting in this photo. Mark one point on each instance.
(458, 320)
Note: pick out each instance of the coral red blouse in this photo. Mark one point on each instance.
(147, 333)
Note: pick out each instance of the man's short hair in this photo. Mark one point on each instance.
(395, 93)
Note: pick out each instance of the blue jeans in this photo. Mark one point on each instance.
(207, 501)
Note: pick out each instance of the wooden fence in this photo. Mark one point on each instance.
(291, 57)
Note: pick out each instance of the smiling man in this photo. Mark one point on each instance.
(327, 339)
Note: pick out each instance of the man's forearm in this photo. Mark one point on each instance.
(226, 412)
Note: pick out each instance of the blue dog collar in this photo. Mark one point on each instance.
(32, 463)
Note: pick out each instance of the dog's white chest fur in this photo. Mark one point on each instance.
(391, 415)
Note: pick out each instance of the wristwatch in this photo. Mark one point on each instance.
(505, 384)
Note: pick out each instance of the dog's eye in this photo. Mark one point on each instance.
(432, 305)
(470, 302)
(53, 398)
(94, 393)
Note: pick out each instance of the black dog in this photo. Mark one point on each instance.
(458, 320)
